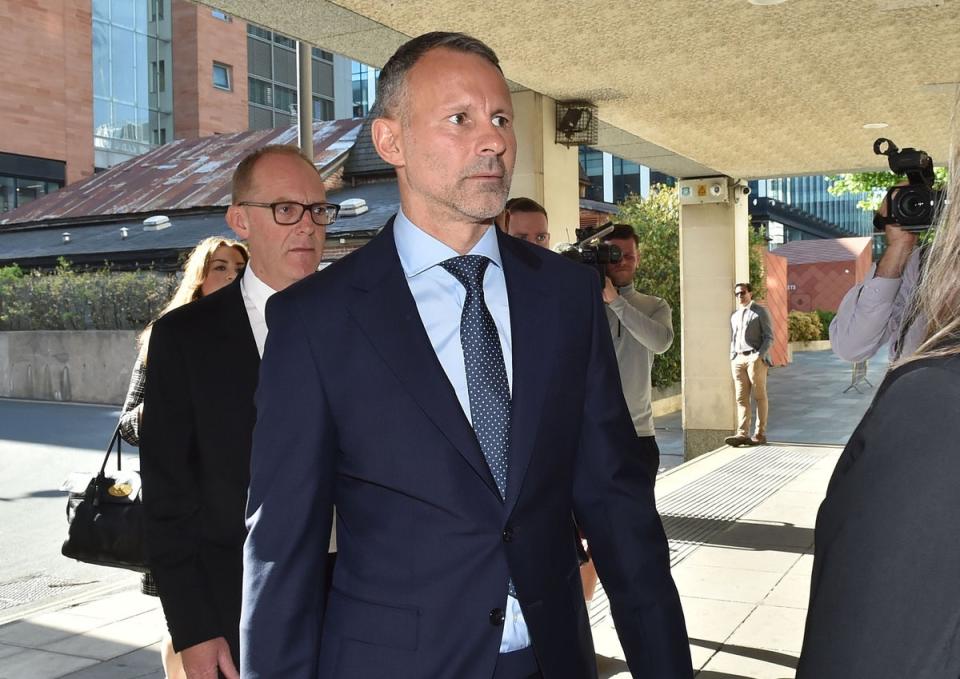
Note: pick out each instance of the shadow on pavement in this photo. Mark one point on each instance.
(783, 537)
(69, 425)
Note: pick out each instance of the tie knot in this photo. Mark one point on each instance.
(468, 269)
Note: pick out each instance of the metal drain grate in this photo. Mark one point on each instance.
(33, 588)
(714, 502)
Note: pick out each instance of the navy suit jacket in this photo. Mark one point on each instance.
(354, 410)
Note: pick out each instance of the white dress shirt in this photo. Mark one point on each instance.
(439, 298)
(255, 295)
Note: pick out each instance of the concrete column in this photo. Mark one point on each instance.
(305, 98)
(545, 171)
(713, 258)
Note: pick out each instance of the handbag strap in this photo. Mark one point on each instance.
(114, 440)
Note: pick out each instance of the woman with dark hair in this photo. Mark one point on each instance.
(885, 593)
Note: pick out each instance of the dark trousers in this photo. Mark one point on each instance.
(650, 454)
(517, 665)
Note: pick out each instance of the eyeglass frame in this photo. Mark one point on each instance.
(304, 207)
(738, 293)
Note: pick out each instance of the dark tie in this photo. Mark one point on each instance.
(487, 386)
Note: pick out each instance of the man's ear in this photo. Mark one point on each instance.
(388, 140)
(237, 221)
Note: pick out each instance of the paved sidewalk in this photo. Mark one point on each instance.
(740, 523)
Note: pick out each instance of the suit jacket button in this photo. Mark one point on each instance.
(508, 535)
(496, 617)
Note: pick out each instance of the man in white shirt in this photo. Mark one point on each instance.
(751, 337)
(199, 412)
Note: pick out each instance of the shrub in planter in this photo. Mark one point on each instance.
(826, 317)
(803, 326)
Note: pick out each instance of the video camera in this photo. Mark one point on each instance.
(914, 206)
(591, 250)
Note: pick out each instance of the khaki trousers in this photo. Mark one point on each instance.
(750, 379)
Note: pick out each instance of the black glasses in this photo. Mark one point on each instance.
(739, 293)
(288, 212)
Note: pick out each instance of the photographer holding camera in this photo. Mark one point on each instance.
(641, 326)
(882, 308)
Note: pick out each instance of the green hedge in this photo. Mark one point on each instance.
(804, 326)
(656, 219)
(826, 317)
(69, 300)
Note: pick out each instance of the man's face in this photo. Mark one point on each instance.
(454, 146)
(622, 272)
(280, 255)
(529, 226)
(743, 295)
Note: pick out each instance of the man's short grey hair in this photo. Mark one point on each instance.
(391, 84)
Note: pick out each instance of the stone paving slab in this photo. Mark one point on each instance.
(744, 596)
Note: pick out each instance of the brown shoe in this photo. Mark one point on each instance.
(758, 440)
(737, 440)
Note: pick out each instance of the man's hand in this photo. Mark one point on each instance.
(609, 291)
(202, 660)
(900, 244)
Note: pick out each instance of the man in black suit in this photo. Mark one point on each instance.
(199, 410)
(408, 382)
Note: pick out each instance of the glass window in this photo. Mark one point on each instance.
(101, 10)
(221, 76)
(28, 190)
(142, 70)
(284, 41)
(122, 64)
(221, 15)
(323, 109)
(259, 92)
(101, 117)
(123, 13)
(284, 66)
(7, 194)
(260, 118)
(101, 59)
(125, 121)
(284, 99)
(258, 32)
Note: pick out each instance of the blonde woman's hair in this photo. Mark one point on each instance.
(195, 271)
(938, 295)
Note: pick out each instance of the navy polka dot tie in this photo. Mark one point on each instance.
(487, 385)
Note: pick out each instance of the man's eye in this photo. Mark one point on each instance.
(541, 237)
(501, 121)
(458, 118)
(284, 208)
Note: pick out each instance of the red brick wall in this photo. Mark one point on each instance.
(199, 39)
(820, 285)
(46, 109)
(776, 303)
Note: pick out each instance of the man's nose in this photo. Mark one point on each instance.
(492, 139)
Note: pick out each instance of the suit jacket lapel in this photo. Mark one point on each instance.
(382, 305)
(533, 317)
(234, 339)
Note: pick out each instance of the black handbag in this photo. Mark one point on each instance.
(105, 514)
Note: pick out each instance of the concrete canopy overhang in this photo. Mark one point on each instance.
(693, 88)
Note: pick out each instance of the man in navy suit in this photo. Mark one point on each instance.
(407, 385)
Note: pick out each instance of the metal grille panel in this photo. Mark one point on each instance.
(714, 502)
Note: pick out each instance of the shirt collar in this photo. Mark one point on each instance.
(420, 251)
(255, 289)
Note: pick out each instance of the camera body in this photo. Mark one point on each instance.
(593, 251)
(912, 207)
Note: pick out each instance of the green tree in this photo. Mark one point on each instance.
(874, 184)
(758, 270)
(656, 220)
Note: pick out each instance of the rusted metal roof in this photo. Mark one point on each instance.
(185, 174)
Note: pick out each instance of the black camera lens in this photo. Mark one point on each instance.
(912, 205)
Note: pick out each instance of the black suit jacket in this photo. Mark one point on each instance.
(195, 445)
(352, 393)
(885, 594)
